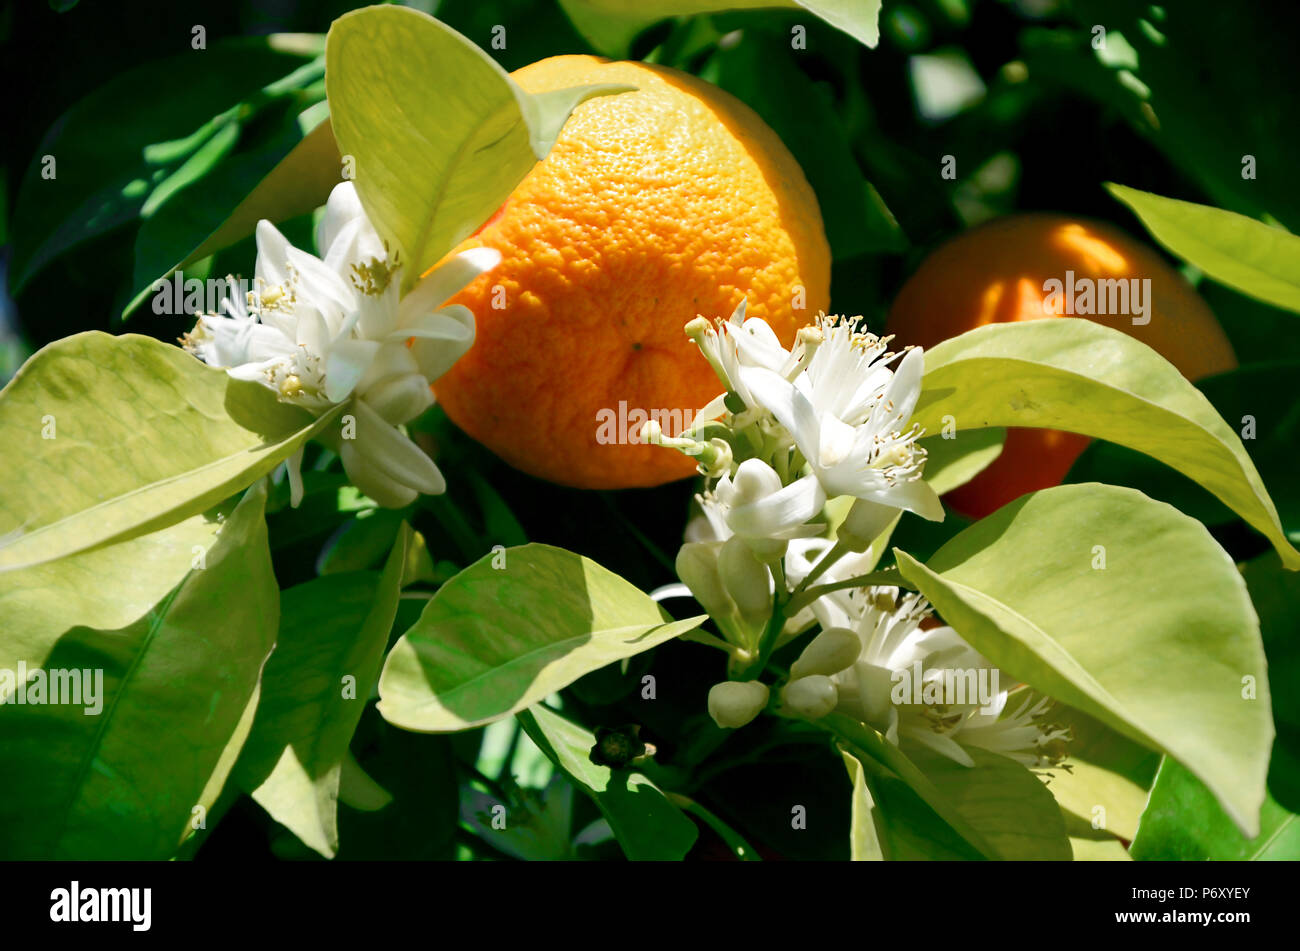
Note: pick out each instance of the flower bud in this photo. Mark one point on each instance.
(399, 399)
(385, 464)
(733, 703)
(865, 523)
(697, 567)
(715, 458)
(810, 697)
(373, 481)
(746, 580)
(831, 651)
(754, 481)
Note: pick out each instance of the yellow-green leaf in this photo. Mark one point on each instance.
(1126, 609)
(1077, 375)
(509, 630)
(1249, 256)
(438, 134)
(109, 437)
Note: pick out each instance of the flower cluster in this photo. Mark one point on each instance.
(809, 457)
(876, 662)
(322, 331)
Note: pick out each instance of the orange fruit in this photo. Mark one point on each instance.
(654, 207)
(996, 272)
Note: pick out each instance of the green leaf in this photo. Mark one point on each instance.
(1005, 802)
(419, 772)
(864, 840)
(110, 437)
(920, 820)
(1101, 848)
(285, 172)
(1179, 79)
(179, 687)
(362, 542)
(1073, 374)
(891, 822)
(1156, 644)
(761, 71)
(432, 164)
(1184, 823)
(358, 790)
(1260, 401)
(115, 149)
(537, 826)
(1108, 776)
(106, 588)
(1093, 845)
(300, 183)
(1260, 261)
(1275, 593)
(740, 848)
(512, 628)
(333, 632)
(953, 462)
(646, 824)
(611, 25)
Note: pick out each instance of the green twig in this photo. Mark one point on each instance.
(888, 577)
(735, 841)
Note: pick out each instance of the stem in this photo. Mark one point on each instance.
(889, 577)
(704, 637)
(735, 841)
(493, 786)
(767, 644)
(832, 555)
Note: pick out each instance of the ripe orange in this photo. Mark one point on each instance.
(654, 207)
(996, 272)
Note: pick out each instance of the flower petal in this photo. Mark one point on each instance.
(347, 363)
(373, 481)
(782, 514)
(272, 254)
(400, 398)
(293, 469)
(435, 357)
(394, 454)
(445, 281)
(791, 408)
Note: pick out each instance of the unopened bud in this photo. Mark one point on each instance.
(865, 523)
(400, 399)
(810, 697)
(733, 703)
(697, 567)
(746, 580)
(754, 480)
(715, 458)
(831, 651)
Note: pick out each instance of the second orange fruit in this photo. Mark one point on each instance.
(654, 207)
(996, 272)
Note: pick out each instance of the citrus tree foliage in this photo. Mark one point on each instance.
(273, 593)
